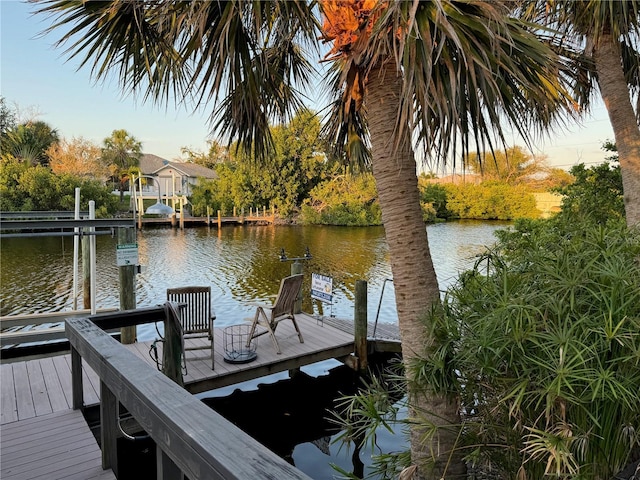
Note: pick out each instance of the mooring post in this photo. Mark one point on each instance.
(219, 219)
(127, 277)
(181, 213)
(86, 272)
(172, 350)
(360, 324)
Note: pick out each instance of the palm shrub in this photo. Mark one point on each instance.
(540, 341)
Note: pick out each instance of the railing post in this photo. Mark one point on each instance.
(360, 327)
(166, 469)
(77, 394)
(109, 428)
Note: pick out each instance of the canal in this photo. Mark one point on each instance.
(241, 263)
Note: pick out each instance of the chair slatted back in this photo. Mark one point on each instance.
(196, 316)
(287, 296)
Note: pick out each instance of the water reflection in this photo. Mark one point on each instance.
(239, 262)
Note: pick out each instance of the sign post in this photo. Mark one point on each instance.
(127, 261)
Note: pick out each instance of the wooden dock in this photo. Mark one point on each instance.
(36, 395)
(51, 447)
(43, 386)
(213, 221)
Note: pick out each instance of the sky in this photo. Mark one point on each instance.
(39, 80)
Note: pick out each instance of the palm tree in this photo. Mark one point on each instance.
(607, 32)
(121, 153)
(29, 142)
(445, 73)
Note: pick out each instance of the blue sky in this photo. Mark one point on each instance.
(39, 79)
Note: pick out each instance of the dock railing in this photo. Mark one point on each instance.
(191, 439)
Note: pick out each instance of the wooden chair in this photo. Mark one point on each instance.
(196, 315)
(269, 316)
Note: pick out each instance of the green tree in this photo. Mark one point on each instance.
(231, 189)
(450, 70)
(595, 193)
(216, 154)
(282, 179)
(292, 168)
(608, 32)
(490, 201)
(433, 198)
(79, 157)
(121, 152)
(25, 187)
(7, 118)
(29, 142)
(345, 199)
(512, 165)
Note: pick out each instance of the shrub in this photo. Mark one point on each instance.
(24, 188)
(490, 201)
(540, 340)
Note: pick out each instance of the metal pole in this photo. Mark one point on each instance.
(76, 245)
(92, 255)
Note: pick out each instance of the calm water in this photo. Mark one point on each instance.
(240, 263)
(242, 266)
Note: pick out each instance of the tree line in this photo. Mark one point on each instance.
(299, 177)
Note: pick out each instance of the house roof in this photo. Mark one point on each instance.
(152, 165)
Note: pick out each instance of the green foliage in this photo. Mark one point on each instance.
(346, 199)
(490, 201)
(596, 193)
(433, 199)
(543, 350)
(284, 179)
(29, 142)
(216, 154)
(511, 166)
(231, 189)
(121, 154)
(7, 117)
(24, 187)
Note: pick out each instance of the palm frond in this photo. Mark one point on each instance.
(246, 58)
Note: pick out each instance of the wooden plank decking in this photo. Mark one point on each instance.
(43, 386)
(38, 424)
(49, 447)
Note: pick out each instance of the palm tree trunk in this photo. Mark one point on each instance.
(615, 94)
(414, 278)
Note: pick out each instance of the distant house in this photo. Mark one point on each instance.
(176, 178)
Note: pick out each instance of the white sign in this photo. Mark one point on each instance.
(127, 254)
(321, 287)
